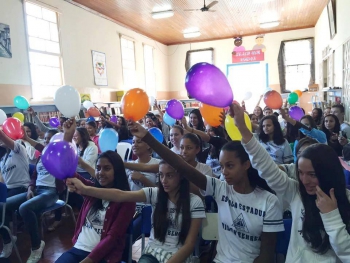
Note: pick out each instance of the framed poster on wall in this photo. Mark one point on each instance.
(99, 68)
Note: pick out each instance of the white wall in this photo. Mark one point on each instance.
(80, 32)
(322, 38)
(222, 55)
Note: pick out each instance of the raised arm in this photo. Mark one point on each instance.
(158, 108)
(86, 167)
(170, 157)
(9, 143)
(258, 104)
(204, 136)
(142, 167)
(287, 118)
(37, 121)
(29, 140)
(113, 195)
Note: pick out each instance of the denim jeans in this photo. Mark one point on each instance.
(147, 258)
(74, 255)
(15, 197)
(44, 198)
(28, 209)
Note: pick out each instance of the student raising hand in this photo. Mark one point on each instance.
(136, 129)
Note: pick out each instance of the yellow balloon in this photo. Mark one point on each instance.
(232, 129)
(19, 115)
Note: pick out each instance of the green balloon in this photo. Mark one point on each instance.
(293, 98)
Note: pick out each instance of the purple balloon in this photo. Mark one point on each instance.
(296, 113)
(60, 159)
(54, 122)
(114, 119)
(57, 137)
(209, 85)
(175, 109)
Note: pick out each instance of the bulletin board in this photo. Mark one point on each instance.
(253, 77)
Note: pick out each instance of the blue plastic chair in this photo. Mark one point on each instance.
(146, 215)
(3, 197)
(59, 204)
(284, 237)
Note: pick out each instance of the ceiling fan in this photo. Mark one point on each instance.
(205, 8)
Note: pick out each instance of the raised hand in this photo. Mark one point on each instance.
(31, 111)
(75, 185)
(184, 123)
(136, 129)
(324, 202)
(237, 112)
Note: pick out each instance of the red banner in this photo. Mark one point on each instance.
(248, 56)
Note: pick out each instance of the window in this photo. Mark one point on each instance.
(150, 76)
(296, 64)
(128, 63)
(44, 50)
(201, 55)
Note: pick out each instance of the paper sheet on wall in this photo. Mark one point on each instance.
(99, 67)
(248, 77)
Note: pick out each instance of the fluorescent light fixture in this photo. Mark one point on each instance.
(191, 32)
(162, 14)
(269, 24)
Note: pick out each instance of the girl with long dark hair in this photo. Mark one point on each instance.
(271, 138)
(99, 235)
(319, 200)
(196, 120)
(91, 128)
(30, 130)
(87, 150)
(176, 216)
(176, 133)
(258, 112)
(317, 116)
(249, 215)
(331, 127)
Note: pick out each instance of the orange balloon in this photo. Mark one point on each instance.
(135, 104)
(94, 112)
(298, 92)
(273, 100)
(210, 114)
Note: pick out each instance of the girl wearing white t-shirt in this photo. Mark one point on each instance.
(30, 130)
(318, 199)
(248, 215)
(176, 216)
(87, 150)
(176, 134)
(271, 138)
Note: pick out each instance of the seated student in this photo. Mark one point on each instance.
(42, 193)
(30, 130)
(249, 215)
(87, 150)
(91, 128)
(14, 169)
(331, 127)
(100, 232)
(319, 200)
(271, 138)
(176, 217)
(176, 133)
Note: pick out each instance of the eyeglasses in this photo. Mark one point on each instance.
(167, 176)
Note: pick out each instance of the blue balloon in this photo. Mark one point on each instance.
(108, 140)
(169, 120)
(156, 134)
(90, 119)
(21, 102)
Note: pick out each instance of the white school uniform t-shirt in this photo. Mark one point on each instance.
(137, 185)
(90, 234)
(15, 168)
(44, 178)
(204, 169)
(241, 220)
(279, 153)
(171, 239)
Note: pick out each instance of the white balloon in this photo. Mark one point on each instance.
(3, 116)
(247, 95)
(67, 101)
(151, 100)
(88, 104)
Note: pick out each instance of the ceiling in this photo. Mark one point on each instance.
(232, 18)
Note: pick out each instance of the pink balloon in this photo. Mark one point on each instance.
(209, 85)
(175, 109)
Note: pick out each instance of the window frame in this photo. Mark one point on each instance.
(135, 64)
(152, 92)
(60, 55)
(189, 52)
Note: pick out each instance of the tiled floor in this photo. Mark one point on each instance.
(57, 242)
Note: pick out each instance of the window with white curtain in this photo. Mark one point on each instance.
(128, 63)
(44, 50)
(150, 76)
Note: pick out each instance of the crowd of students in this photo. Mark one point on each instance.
(282, 164)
